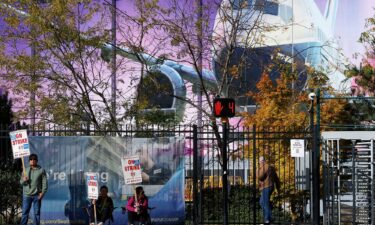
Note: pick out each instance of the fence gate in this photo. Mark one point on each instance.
(348, 169)
(245, 145)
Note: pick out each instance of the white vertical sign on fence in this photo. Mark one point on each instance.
(297, 147)
(20, 143)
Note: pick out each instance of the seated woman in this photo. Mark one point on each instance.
(104, 207)
(137, 208)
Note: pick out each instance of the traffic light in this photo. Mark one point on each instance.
(224, 107)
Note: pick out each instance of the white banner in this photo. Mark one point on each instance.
(92, 185)
(297, 147)
(20, 143)
(131, 168)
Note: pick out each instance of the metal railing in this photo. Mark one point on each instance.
(203, 159)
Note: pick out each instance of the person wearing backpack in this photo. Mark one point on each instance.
(268, 181)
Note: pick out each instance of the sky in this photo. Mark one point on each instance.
(350, 22)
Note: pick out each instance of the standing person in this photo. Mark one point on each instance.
(104, 207)
(268, 180)
(34, 188)
(137, 208)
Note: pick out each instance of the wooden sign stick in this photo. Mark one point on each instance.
(96, 222)
(23, 167)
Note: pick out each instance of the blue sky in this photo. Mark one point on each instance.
(350, 22)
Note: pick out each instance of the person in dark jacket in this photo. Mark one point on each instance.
(137, 207)
(34, 184)
(104, 207)
(268, 181)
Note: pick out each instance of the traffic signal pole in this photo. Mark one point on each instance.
(225, 170)
(315, 158)
(224, 108)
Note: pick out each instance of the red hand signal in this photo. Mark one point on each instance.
(218, 108)
(224, 107)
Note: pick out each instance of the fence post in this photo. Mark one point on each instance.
(254, 176)
(200, 173)
(225, 172)
(314, 209)
(354, 183)
(316, 178)
(316, 159)
(195, 175)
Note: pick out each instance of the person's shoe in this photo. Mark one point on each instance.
(267, 222)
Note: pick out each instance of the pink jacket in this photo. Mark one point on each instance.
(143, 204)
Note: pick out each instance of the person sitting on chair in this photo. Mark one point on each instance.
(137, 207)
(104, 207)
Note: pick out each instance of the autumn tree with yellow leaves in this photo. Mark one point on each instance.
(283, 110)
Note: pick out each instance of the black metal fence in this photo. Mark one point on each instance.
(245, 146)
(204, 159)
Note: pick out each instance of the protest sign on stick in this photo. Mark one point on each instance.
(92, 189)
(131, 168)
(20, 146)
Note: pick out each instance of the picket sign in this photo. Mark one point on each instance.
(93, 189)
(20, 146)
(131, 168)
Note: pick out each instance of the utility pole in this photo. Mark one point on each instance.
(311, 158)
(33, 88)
(34, 79)
(113, 61)
(200, 105)
(200, 61)
(316, 165)
(315, 161)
